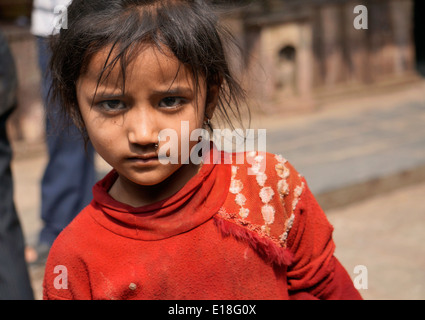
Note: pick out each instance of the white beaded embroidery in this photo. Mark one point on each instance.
(266, 194)
(297, 194)
(240, 199)
(236, 187)
(288, 227)
(261, 178)
(282, 188)
(268, 213)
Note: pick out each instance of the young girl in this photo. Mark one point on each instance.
(125, 71)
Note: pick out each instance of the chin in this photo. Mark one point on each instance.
(147, 179)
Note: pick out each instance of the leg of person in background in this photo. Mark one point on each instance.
(14, 278)
(70, 174)
(67, 182)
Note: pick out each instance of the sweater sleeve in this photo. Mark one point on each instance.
(315, 272)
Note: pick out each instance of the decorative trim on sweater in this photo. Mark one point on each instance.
(267, 247)
(265, 229)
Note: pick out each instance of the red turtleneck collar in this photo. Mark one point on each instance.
(193, 205)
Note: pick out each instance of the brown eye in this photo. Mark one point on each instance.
(112, 105)
(171, 102)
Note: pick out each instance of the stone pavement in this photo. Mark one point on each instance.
(364, 160)
(386, 234)
(360, 148)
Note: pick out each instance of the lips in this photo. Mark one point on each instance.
(144, 158)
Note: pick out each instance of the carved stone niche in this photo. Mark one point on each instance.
(280, 61)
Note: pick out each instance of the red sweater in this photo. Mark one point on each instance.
(233, 232)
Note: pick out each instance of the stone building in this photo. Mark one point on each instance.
(299, 52)
(295, 53)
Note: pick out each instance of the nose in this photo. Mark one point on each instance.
(141, 127)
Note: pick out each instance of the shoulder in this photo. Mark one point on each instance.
(66, 260)
(263, 196)
(73, 240)
(266, 170)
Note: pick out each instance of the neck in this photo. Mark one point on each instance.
(135, 195)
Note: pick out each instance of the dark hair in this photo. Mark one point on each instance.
(188, 28)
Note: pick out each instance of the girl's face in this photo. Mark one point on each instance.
(123, 127)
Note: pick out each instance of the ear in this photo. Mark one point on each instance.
(212, 100)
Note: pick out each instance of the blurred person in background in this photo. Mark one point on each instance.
(14, 278)
(70, 172)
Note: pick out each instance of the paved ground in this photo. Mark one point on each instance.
(386, 234)
(379, 140)
(364, 159)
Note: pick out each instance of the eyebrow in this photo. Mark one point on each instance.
(102, 93)
(108, 95)
(105, 96)
(174, 91)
